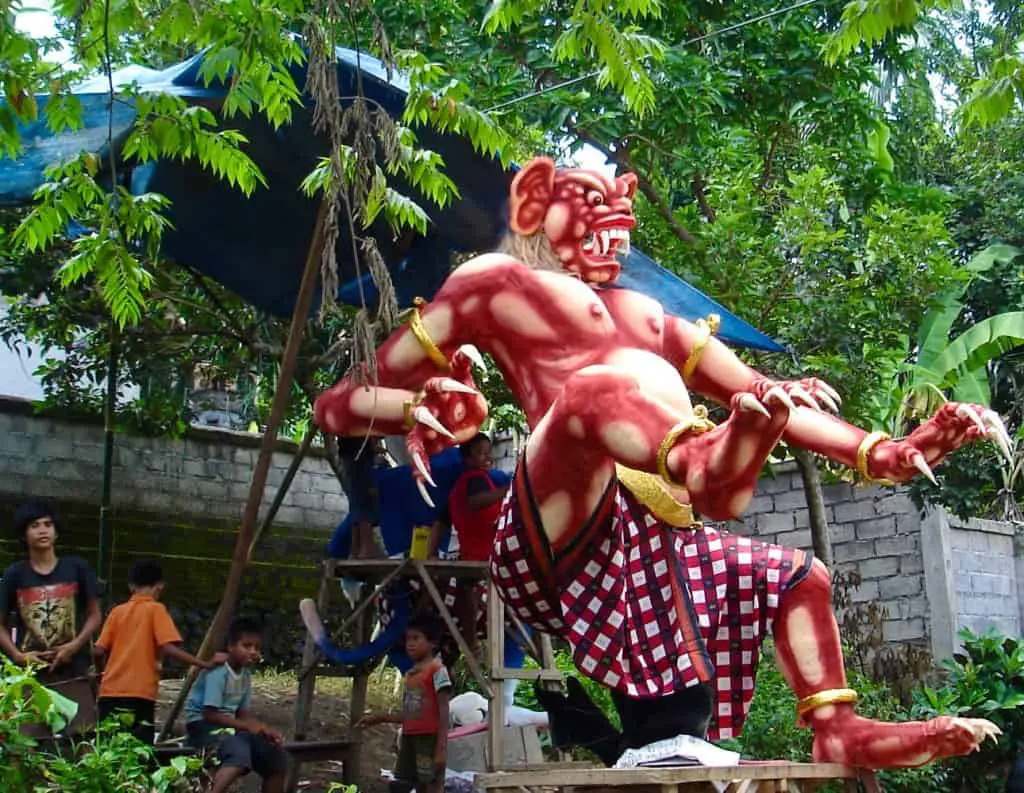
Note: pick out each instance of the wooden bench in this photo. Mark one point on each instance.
(748, 777)
(300, 751)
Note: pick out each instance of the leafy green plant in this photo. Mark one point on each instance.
(985, 680)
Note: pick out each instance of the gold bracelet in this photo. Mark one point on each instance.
(708, 328)
(871, 440)
(832, 696)
(409, 405)
(698, 424)
(422, 336)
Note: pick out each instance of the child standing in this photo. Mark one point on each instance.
(423, 749)
(136, 635)
(219, 704)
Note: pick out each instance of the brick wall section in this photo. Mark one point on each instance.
(206, 474)
(985, 575)
(875, 530)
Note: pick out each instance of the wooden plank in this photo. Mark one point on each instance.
(526, 674)
(307, 682)
(360, 685)
(870, 782)
(438, 568)
(496, 658)
(613, 777)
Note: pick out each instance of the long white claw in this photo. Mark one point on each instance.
(422, 468)
(751, 403)
(450, 385)
(967, 412)
(828, 402)
(474, 355)
(921, 465)
(823, 386)
(801, 394)
(780, 396)
(996, 431)
(423, 493)
(424, 416)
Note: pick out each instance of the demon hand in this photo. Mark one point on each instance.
(447, 411)
(954, 425)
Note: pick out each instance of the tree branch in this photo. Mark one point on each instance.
(769, 161)
(700, 193)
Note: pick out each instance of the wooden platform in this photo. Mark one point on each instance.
(376, 569)
(749, 777)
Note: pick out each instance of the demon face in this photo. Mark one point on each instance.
(585, 215)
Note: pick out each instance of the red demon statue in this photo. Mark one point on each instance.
(597, 542)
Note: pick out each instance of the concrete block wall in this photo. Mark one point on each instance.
(985, 578)
(875, 530)
(205, 474)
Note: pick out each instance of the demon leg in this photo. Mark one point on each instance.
(810, 656)
(607, 415)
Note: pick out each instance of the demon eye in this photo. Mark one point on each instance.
(594, 198)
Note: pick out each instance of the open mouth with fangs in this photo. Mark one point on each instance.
(605, 244)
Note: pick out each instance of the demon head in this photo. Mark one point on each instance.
(585, 215)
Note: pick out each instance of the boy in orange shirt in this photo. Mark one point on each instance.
(135, 637)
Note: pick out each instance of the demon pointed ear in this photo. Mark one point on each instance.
(630, 181)
(531, 195)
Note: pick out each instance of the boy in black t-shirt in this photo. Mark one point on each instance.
(56, 612)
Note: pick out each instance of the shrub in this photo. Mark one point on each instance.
(986, 680)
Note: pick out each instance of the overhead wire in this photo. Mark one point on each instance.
(695, 40)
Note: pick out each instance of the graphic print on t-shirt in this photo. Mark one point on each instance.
(48, 615)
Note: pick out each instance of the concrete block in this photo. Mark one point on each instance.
(854, 551)
(801, 538)
(867, 591)
(913, 607)
(880, 568)
(774, 522)
(854, 511)
(62, 448)
(290, 516)
(900, 586)
(243, 456)
(911, 563)
(336, 503)
(876, 527)
(897, 630)
(841, 492)
(780, 483)
(999, 563)
(802, 518)
(841, 532)
(790, 500)
(901, 543)
(896, 503)
(313, 501)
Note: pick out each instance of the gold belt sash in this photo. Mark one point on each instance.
(654, 493)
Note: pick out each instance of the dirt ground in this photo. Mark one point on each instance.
(274, 703)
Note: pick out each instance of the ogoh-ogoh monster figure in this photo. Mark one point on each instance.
(597, 542)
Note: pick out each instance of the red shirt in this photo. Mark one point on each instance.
(420, 714)
(475, 527)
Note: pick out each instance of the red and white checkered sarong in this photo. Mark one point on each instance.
(647, 608)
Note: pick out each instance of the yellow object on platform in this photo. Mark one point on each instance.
(420, 547)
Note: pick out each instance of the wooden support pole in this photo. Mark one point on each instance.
(496, 707)
(246, 532)
(360, 686)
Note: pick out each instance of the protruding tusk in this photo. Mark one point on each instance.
(425, 417)
(921, 465)
(798, 392)
(781, 396)
(474, 356)
(448, 384)
(967, 412)
(422, 468)
(751, 403)
(423, 493)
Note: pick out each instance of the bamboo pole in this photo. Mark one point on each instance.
(247, 530)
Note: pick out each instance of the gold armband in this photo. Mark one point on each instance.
(708, 328)
(832, 696)
(697, 424)
(422, 336)
(871, 440)
(409, 405)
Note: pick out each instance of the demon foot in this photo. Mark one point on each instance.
(864, 743)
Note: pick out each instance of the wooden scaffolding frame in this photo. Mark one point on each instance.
(381, 572)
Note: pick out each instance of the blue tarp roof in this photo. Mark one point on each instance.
(256, 245)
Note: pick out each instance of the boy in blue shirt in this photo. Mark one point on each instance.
(217, 715)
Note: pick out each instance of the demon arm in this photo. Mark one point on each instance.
(423, 387)
(712, 369)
